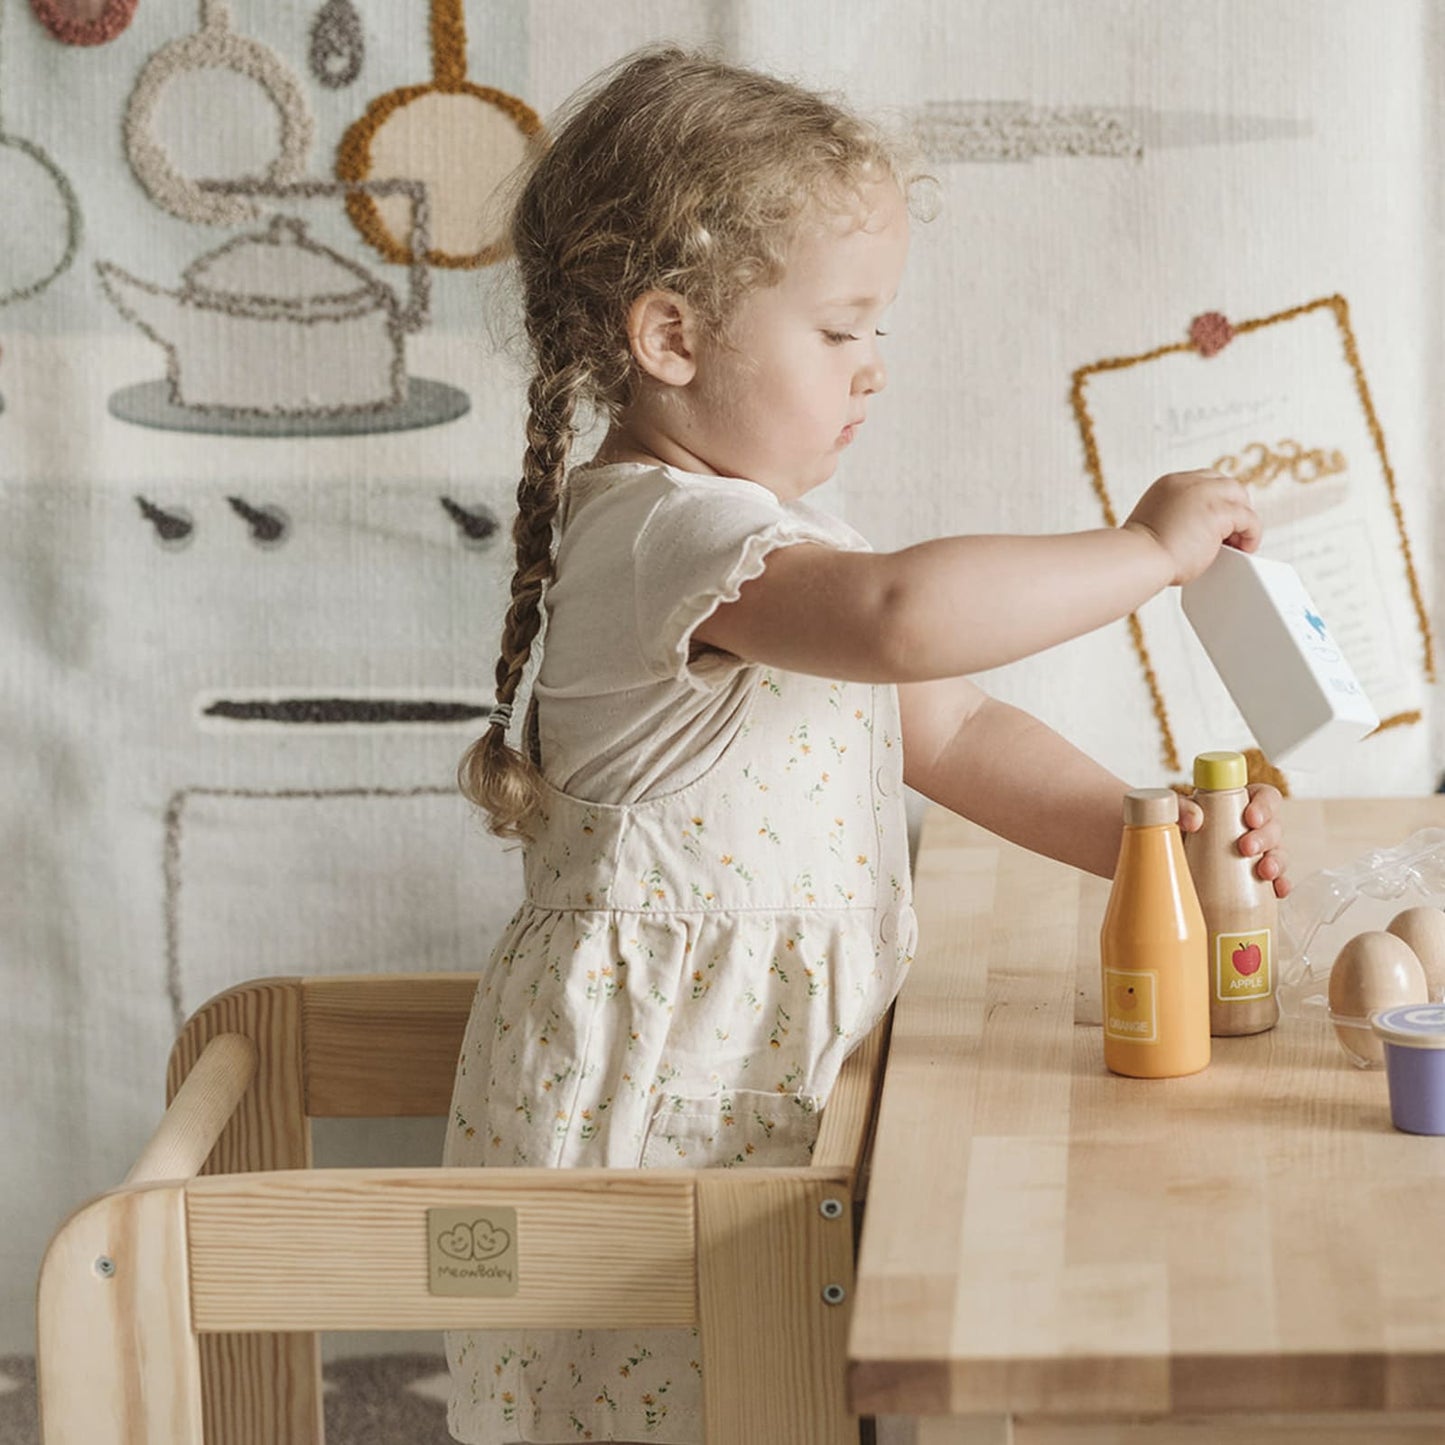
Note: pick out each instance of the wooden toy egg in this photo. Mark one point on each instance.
(1374, 970)
(1424, 930)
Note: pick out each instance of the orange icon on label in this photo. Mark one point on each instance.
(1130, 1005)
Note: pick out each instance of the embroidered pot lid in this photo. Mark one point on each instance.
(282, 270)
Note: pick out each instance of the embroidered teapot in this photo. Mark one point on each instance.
(274, 323)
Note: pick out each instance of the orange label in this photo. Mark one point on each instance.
(1242, 965)
(1131, 1009)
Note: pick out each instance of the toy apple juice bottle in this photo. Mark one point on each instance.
(1152, 948)
(1240, 910)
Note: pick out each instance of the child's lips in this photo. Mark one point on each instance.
(848, 431)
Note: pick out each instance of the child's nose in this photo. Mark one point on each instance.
(872, 375)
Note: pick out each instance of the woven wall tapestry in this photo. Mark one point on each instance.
(256, 469)
(1281, 402)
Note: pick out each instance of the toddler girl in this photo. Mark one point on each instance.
(733, 689)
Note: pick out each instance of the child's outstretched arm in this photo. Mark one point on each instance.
(924, 616)
(1004, 769)
(960, 605)
(1001, 767)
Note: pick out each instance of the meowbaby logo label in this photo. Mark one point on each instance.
(471, 1251)
(1130, 1005)
(482, 1241)
(1243, 965)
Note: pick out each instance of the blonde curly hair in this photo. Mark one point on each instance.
(674, 172)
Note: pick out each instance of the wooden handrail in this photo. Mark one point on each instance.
(199, 1112)
(846, 1129)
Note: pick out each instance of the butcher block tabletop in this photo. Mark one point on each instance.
(1044, 1238)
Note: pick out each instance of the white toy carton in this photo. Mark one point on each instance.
(1273, 652)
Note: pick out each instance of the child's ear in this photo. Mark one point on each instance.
(662, 330)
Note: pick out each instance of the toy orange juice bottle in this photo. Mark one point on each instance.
(1240, 911)
(1152, 948)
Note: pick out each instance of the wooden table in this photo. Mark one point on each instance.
(1058, 1256)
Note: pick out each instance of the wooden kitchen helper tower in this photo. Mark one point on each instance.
(183, 1306)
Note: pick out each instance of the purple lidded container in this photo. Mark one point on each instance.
(1414, 1038)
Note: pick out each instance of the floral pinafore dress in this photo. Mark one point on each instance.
(680, 989)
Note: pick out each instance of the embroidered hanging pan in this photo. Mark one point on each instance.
(84, 22)
(460, 140)
(215, 46)
(39, 217)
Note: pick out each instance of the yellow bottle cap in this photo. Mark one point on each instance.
(1217, 771)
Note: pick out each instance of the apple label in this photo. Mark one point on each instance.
(1130, 1007)
(1243, 967)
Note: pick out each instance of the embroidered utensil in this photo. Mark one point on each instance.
(215, 46)
(38, 239)
(338, 44)
(460, 140)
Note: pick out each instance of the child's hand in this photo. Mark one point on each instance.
(1190, 514)
(1262, 839)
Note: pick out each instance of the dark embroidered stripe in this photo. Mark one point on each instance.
(1017, 131)
(1012, 130)
(330, 710)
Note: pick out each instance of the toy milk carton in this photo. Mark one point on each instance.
(1273, 652)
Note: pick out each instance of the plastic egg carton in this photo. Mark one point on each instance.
(1328, 908)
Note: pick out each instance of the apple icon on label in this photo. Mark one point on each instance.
(1247, 959)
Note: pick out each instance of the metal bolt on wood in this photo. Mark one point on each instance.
(834, 1294)
(105, 1266)
(831, 1208)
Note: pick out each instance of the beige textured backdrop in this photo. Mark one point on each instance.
(182, 812)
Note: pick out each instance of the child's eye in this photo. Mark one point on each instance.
(837, 338)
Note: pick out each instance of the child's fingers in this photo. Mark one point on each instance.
(1263, 805)
(1247, 539)
(1273, 868)
(1262, 840)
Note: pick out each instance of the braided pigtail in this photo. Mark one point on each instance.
(500, 779)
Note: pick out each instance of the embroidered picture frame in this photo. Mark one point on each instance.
(1281, 402)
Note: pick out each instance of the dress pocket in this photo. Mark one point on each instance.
(738, 1127)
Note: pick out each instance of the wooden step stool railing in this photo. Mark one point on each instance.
(183, 1308)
